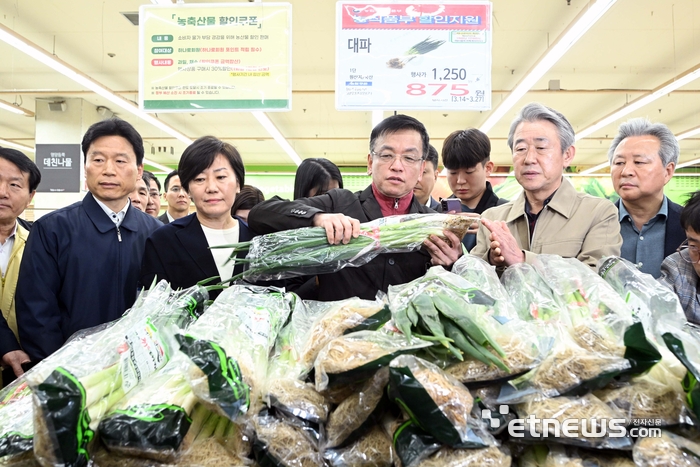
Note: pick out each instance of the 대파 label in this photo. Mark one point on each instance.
(142, 354)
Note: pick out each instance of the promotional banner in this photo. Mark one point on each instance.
(423, 56)
(59, 165)
(229, 56)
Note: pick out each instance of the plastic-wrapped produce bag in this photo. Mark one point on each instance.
(229, 348)
(77, 385)
(306, 251)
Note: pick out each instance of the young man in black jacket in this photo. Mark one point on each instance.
(466, 155)
(398, 146)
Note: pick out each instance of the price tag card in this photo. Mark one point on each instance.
(426, 55)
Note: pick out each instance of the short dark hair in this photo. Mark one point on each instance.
(200, 155)
(315, 173)
(24, 164)
(690, 214)
(114, 127)
(166, 183)
(397, 123)
(463, 149)
(247, 198)
(432, 156)
(147, 177)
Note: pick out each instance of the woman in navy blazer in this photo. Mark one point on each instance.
(212, 172)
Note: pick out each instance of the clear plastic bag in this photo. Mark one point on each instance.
(437, 401)
(530, 295)
(16, 424)
(306, 251)
(279, 444)
(655, 397)
(582, 421)
(354, 412)
(154, 419)
(77, 385)
(323, 321)
(667, 451)
(485, 457)
(472, 326)
(374, 449)
(358, 355)
(478, 272)
(229, 348)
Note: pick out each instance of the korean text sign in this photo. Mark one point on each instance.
(427, 55)
(229, 56)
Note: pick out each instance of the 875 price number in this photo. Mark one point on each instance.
(420, 89)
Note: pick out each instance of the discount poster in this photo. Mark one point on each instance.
(200, 57)
(430, 56)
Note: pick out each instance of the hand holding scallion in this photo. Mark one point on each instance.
(339, 227)
(441, 252)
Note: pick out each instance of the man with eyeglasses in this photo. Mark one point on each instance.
(550, 216)
(176, 197)
(679, 271)
(396, 162)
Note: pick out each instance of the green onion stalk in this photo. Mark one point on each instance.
(306, 251)
(423, 47)
(154, 419)
(76, 386)
(444, 308)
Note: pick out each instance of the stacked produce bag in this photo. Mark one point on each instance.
(435, 372)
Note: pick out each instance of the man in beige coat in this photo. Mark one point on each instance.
(550, 216)
(19, 178)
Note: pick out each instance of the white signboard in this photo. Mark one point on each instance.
(431, 56)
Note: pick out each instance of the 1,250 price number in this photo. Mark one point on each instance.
(419, 89)
(450, 74)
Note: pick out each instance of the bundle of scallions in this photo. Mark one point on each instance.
(306, 251)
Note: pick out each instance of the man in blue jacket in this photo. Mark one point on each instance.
(81, 263)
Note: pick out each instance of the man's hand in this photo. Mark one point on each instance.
(15, 359)
(504, 247)
(339, 227)
(442, 253)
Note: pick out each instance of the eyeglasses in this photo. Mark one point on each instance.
(407, 160)
(175, 189)
(689, 253)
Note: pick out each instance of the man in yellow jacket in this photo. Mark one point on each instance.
(19, 178)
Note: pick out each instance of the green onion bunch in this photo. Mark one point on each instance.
(306, 251)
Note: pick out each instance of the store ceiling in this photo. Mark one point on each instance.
(636, 47)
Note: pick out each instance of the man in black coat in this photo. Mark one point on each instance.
(643, 157)
(398, 146)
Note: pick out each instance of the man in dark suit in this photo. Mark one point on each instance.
(425, 185)
(643, 157)
(176, 197)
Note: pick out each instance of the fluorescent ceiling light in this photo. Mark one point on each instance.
(555, 52)
(594, 169)
(162, 2)
(688, 133)
(670, 86)
(44, 57)
(686, 164)
(158, 166)
(14, 108)
(10, 144)
(275, 133)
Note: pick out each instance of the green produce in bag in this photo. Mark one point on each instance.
(77, 385)
(306, 251)
(438, 403)
(229, 348)
(357, 356)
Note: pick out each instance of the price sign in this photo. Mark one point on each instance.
(431, 56)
